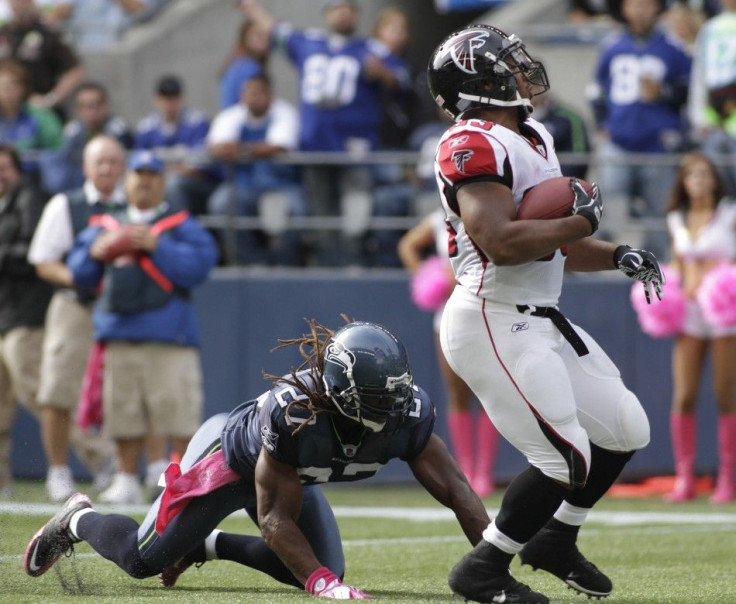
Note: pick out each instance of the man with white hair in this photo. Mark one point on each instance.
(68, 321)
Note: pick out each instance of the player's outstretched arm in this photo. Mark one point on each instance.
(594, 255)
(438, 472)
(279, 493)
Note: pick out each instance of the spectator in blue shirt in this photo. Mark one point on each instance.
(342, 77)
(247, 59)
(145, 318)
(641, 85)
(177, 134)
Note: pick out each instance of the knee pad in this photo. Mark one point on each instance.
(634, 424)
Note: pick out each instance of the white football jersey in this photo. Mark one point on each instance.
(475, 150)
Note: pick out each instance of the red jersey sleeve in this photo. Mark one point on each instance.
(471, 153)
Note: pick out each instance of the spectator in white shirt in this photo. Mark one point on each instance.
(68, 337)
(245, 138)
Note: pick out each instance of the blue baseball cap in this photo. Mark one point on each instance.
(146, 160)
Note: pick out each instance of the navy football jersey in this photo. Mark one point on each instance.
(318, 452)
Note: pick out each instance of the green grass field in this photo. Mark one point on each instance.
(400, 546)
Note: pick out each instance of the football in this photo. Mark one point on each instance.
(552, 198)
(118, 243)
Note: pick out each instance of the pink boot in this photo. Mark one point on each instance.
(725, 490)
(460, 424)
(487, 445)
(683, 430)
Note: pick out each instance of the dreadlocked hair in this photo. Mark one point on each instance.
(311, 348)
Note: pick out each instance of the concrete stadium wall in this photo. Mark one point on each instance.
(244, 313)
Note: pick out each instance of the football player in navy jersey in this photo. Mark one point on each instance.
(342, 415)
(548, 387)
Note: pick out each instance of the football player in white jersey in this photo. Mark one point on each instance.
(546, 384)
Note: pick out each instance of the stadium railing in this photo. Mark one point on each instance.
(425, 200)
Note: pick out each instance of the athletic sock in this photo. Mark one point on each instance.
(529, 502)
(605, 467)
(74, 521)
(210, 545)
(114, 537)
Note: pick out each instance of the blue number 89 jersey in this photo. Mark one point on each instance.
(337, 101)
(318, 452)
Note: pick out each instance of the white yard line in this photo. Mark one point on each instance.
(426, 514)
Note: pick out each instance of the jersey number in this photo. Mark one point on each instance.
(627, 72)
(352, 469)
(288, 394)
(330, 81)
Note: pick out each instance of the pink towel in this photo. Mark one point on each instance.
(203, 477)
(89, 410)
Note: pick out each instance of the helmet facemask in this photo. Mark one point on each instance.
(498, 86)
(374, 408)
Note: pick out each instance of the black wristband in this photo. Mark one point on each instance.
(619, 253)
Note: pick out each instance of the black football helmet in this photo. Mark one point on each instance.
(476, 67)
(366, 375)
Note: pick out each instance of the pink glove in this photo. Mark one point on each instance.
(323, 583)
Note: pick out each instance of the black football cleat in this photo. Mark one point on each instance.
(557, 553)
(53, 539)
(473, 579)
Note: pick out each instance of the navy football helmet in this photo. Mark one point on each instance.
(367, 377)
(476, 66)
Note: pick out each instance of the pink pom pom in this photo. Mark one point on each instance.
(662, 318)
(717, 296)
(431, 285)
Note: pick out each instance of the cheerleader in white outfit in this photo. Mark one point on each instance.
(702, 228)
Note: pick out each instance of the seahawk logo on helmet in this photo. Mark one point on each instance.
(366, 376)
(337, 353)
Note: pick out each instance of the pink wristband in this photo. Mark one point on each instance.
(319, 579)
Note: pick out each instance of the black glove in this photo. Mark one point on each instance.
(642, 266)
(591, 207)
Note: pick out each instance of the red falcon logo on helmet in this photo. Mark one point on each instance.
(461, 157)
(463, 47)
